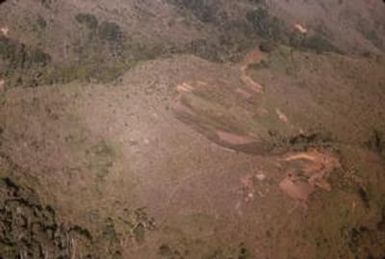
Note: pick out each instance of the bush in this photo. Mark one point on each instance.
(110, 31)
(265, 25)
(88, 20)
(6, 48)
(21, 56)
(41, 22)
(376, 142)
(39, 57)
(46, 3)
(267, 46)
(203, 10)
(204, 49)
(318, 44)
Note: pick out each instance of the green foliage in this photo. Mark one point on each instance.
(318, 44)
(39, 57)
(265, 25)
(376, 142)
(110, 31)
(88, 20)
(28, 66)
(373, 37)
(20, 56)
(272, 30)
(23, 64)
(7, 49)
(46, 3)
(258, 2)
(260, 65)
(41, 22)
(369, 33)
(267, 46)
(85, 72)
(315, 42)
(203, 10)
(31, 226)
(203, 49)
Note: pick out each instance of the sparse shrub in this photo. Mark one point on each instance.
(204, 10)
(88, 20)
(39, 57)
(318, 43)
(258, 2)
(260, 65)
(41, 22)
(20, 56)
(23, 64)
(376, 142)
(110, 31)
(6, 48)
(267, 26)
(370, 33)
(267, 46)
(373, 37)
(46, 3)
(204, 49)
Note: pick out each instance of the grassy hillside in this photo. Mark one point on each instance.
(98, 41)
(210, 129)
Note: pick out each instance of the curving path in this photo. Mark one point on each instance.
(224, 114)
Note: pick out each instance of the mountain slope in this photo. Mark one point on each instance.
(94, 40)
(192, 129)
